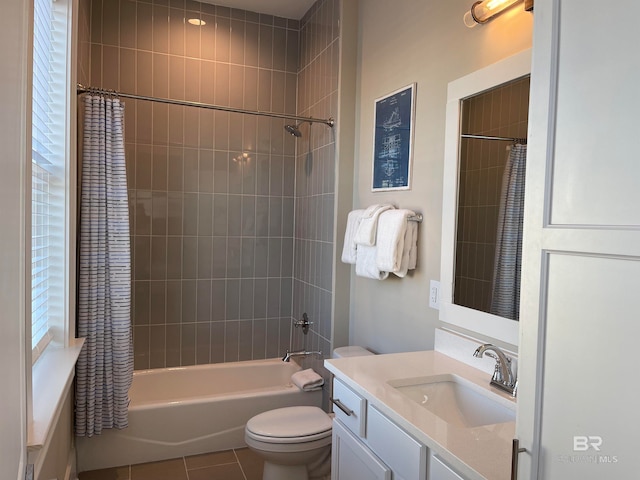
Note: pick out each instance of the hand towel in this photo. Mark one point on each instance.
(307, 380)
(410, 250)
(366, 233)
(390, 239)
(349, 247)
(366, 263)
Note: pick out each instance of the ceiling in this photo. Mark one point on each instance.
(280, 8)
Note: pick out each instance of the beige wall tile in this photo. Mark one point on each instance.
(279, 49)
(144, 73)
(192, 80)
(128, 23)
(176, 77)
(176, 31)
(110, 23)
(192, 37)
(176, 126)
(208, 37)
(127, 70)
(207, 81)
(160, 29)
(160, 114)
(223, 33)
(160, 80)
(252, 45)
(144, 26)
(236, 86)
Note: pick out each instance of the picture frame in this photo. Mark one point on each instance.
(394, 116)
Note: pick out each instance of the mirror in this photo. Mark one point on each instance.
(490, 209)
(473, 177)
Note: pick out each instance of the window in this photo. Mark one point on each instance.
(49, 173)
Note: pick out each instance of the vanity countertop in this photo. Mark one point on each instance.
(477, 453)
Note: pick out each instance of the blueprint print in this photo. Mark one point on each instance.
(392, 140)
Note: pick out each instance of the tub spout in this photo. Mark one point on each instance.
(298, 353)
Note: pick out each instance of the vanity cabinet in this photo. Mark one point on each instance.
(368, 445)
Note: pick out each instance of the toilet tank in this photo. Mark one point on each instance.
(351, 351)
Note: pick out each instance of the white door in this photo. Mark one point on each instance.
(14, 28)
(578, 412)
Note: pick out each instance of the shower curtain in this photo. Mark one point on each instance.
(105, 367)
(505, 300)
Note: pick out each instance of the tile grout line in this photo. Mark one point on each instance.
(239, 464)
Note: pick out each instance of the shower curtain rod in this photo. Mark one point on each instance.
(82, 89)
(488, 137)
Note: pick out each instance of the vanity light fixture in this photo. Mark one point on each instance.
(197, 22)
(484, 10)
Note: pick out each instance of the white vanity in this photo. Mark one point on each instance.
(418, 416)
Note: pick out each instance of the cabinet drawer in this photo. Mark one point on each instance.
(405, 455)
(438, 470)
(349, 407)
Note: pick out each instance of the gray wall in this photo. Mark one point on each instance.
(402, 42)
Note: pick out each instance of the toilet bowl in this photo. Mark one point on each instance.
(295, 442)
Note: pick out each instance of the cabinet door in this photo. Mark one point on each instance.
(352, 460)
(438, 470)
(578, 407)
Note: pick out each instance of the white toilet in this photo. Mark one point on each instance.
(295, 442)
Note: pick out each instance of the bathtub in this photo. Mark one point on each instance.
(183, 411)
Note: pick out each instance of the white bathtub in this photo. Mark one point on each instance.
(189, 410)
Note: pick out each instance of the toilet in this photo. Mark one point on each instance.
(295, 442)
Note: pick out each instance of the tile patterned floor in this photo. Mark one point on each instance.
(238, 464)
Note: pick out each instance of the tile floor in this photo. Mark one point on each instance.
(238, 464)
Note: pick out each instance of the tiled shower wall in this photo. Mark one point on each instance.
(315, 177)
(211, 193)
(499, 112)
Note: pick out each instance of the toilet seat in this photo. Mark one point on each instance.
(290, 425)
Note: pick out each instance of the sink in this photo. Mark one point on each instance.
(456, 400)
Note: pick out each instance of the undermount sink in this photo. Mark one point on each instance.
(456, 400)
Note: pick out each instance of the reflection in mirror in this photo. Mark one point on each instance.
(491, 199)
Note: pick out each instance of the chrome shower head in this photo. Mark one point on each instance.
(293, 130)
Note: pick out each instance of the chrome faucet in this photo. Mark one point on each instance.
(298, 353)
(502, 375)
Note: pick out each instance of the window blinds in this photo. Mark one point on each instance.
(48, 173)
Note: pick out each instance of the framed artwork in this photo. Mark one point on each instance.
(393, 140)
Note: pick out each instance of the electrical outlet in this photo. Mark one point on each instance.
(434, 294)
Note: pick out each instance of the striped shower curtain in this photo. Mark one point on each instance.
(505, 300)
(105, 366)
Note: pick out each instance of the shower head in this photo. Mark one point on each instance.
(293, 130)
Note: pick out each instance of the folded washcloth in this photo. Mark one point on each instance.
(366, 233)
(366, 263)
(410, 250)
(307, 380)
(390, 239)
(349, 247)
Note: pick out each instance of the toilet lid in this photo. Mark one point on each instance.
(290, 422)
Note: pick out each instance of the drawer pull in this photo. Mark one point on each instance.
(342, 406)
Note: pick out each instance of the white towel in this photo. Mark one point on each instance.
(307, 380)
(366, 263)
(366, 233)
(410, 250)
(349, 247)
(390, 239)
